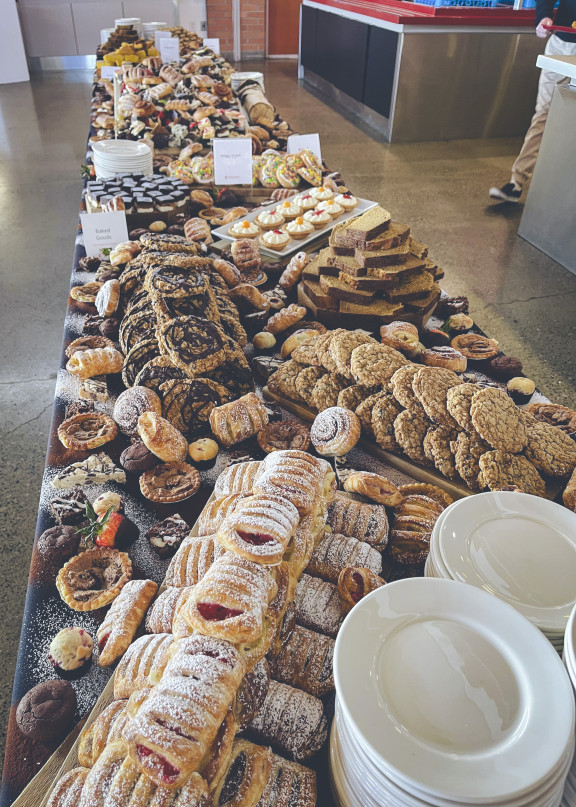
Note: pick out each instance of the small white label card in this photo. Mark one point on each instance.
(158, 35)
(170, 49)
(109, 70)
(307, 141)
(232, 161)
(213, 44)
(103, 231)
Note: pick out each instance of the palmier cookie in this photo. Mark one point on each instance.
(285, 318)
(374, 486)
(162, 438)
(132, 403)
(87, 430)
(170, 482)
(284, 435)
(335, 431)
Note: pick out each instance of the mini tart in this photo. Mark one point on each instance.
(475, 347)
(331, 207)
(275, 239)
(283, 436)
(87, 430)
(170, 482)
(299, 228)
(306, 201)
(244, 229)
(94, 578)
(289, 209)
(321, 194)
(346, 200)
(270, 219)
(318, 218)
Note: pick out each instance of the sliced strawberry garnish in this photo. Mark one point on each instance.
(256, 538)
(358, 593)
(107, 536)
(214, 612)
(156, 763)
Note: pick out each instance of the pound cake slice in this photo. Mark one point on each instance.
(378, 308)
(412, 288)
(382, 257)
(410, 267)
(418, 249)
(338, 290)
(367, 226)
(394, 235)
(344, 263)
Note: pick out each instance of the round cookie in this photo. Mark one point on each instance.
(58, 543)
(306, 381)
(467, 450)
(171, 482)
(324, 356)
(430, 385)
(458, 402)
(384, 412)
(372, 363)
(285, 378)
(341, 348)
(550, 449)
(138, 356)
(187, 403)
(500, 469)
(401, 383)
(47, 710)
(137, 458)
(157, 371)
(130, 404)
(410, 428)
(497, 420)
(352, 397)
(436, 446)
(364, 412)
(326, 391)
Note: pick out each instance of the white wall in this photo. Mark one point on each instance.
(13, 65)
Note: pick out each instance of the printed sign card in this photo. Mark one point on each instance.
(159, 35)
(109, 71)
(307, 141)
(213, 44)
(232, 161)
(103, 231)
(170, 49)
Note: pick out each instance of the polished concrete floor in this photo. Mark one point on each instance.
(518, 295)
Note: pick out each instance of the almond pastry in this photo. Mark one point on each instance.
(142, 664)
(355, 582)
(87, 430)
(162, 438)
(373, 486)
(259, 528)
(94, 578)
(97, 361)
(122, 620)
(238, 420)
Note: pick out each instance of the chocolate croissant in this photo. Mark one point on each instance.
(365, 522)
(335, 552)
(192, 560)
(289, 783)
(291, 720)
(142, 664)
(248, 772)
(252, 694)
(317, 605)
(305, 661)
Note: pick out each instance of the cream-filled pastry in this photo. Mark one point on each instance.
(244, 229)
(346, 200)
(331, 207)
(321, 193)
(270, 219)
(318, 218)
(299, 228)
(274, 239)
(306, 201)
(290, 209)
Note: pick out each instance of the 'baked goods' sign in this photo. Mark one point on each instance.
(103, 231)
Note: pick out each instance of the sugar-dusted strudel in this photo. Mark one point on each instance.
(305, 661)
(192, 560)
(142, 664)
(122, 620)
(259, 528)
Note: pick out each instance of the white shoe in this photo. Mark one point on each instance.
(510, 192)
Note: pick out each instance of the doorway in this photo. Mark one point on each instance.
(283, 27)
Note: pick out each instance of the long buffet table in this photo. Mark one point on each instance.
(415, 72)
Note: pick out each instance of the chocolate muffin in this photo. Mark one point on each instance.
(47, 710)
(505, 367)
(58, 543)
(137, 458)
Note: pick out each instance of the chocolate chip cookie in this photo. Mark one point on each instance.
(364, 412)
(352, 397)
(285, 378)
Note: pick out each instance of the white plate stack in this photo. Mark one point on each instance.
(447, 696)
(520, 548)
(113, 157)
(569, 799)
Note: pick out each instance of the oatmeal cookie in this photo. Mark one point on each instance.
(326, 391)
(550, 449)
(364, 412)
(306, 381)
(135, 327)
(430, 386)
(341, 348)
(458, 402)
(497, 420)
(499, 469)
(467, 450)
(384, 412)
(401, 383)
(285, 377)
(352, 397)
(410, 428)
(436, 445)
(307, 353)
(323, 344)
(375, 364)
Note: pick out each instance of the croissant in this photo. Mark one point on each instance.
(317, 605)
(259, 528)
(215, 512)
(164, 615)
(354, 582)
(169, 749)
(231, 600)
(373, 486)
(142, 664)
(305, 661)
(115, 774)
(365, 522)
(292, 720)
(97, 361)
(238, 420)
(192, 560)
(296, 476)
(107, 728)
(122, 620)
(162, 438)
(236, 479)
(335, 552)
(246, 296)
(67, 790)
(293, 272)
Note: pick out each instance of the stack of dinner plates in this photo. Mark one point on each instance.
(113, 157)
(569, 657)
(447, 696)
(520, 548)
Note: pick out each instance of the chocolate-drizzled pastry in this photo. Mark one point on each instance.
(237, 379)
(110, 327)
(70, 507)
(135, 327)
(157, 371)
(91, 326)
(137, 458)
(194, 344)
(173, 281)
(58, 543)
(187, 403)
(166, 536)
(137, 357)
(453, 305)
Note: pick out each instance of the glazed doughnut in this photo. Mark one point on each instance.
(373, 486)
(355, 582)
(335, 431)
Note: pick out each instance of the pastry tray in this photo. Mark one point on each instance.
(295, 244)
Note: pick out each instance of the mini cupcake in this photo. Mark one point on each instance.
(520, 389)
(70, 650)
(331, 207)
(270, 219)
(306, 201)
(321, 194)
(318, 218)
(244, 229)
(346, 200)
(290, 209)
(299, 228)
(274, 239)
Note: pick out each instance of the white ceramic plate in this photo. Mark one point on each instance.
(452, 691)
(518, 547)
(127, 149)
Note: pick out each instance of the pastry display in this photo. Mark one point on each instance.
(70, 649)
